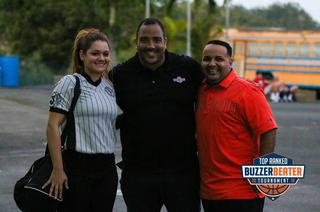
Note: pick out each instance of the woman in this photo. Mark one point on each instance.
(91, 178)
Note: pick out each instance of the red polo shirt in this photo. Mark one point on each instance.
(230, 117)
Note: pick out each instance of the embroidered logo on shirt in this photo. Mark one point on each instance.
(109, 91)
(179, 79)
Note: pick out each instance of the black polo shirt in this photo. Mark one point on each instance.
(158, 124)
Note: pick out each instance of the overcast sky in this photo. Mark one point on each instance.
(310, 6)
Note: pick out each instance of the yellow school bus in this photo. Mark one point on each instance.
(292, 56)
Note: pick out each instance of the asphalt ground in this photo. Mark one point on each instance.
(23, 117)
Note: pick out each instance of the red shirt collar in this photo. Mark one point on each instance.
(225, 83)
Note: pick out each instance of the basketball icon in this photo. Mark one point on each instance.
(273, 190)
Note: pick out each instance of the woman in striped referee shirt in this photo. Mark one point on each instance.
(91, 179)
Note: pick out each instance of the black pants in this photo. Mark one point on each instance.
(247, 205)
(145, 192)
(92, 181)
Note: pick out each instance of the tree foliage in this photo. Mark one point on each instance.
(45, 29)
(288, 16)
(204, 20)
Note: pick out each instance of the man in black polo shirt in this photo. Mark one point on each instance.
(156, 90)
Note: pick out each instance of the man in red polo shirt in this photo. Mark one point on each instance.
(234, 125)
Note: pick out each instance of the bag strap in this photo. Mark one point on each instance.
(76, 94)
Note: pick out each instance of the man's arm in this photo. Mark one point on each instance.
(267, 142)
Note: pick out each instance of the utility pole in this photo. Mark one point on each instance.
(189, 28)
(227, 24)
(147, 8)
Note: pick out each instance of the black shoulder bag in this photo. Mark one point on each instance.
(28, 194)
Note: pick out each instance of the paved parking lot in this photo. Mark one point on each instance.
(23, 119)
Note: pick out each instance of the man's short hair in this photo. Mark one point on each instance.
(150, 21)
(222, 43)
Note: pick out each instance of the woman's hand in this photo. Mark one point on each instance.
(58, 177)
(56, 181)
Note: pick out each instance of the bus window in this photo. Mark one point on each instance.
(317, 49)
(291, 49)
(266, 48)
(279, 49)
(253, 48)
(304, 49)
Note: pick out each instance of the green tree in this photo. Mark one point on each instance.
(204, 20)
(288, 16)
(204, 24)
(42, 31)
(46, 28)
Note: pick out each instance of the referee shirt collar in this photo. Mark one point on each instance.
(88, 78)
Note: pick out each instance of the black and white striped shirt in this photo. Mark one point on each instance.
(95, 113)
